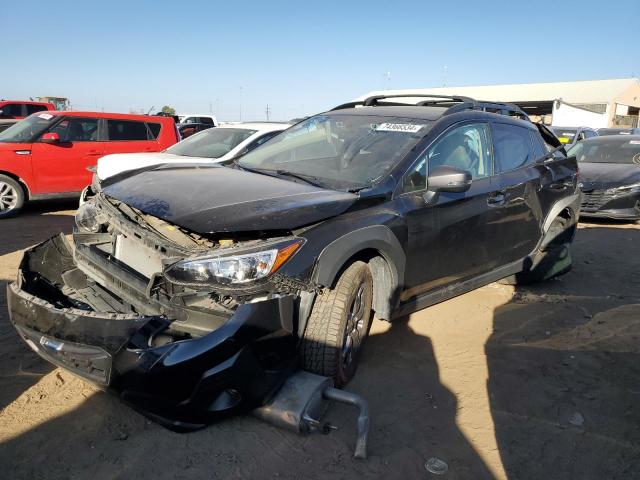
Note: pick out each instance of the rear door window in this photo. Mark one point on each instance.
(511, 146)
(206, 120)
(126, 130)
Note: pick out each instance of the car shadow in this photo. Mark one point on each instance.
(564, 366)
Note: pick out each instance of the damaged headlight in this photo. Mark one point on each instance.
(241, 268)
(89, 218)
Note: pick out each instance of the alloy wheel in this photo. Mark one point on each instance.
(8, 197)
(356, 324)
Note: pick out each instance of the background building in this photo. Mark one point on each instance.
(592, 103)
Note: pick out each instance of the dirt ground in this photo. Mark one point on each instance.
(539, 382)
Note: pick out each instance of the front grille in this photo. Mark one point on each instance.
(594, 199)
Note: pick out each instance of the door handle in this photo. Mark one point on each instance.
(497, 198)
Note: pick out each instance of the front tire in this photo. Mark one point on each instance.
(338, 325)
(11, 197)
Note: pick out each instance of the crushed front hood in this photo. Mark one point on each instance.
(215, 199)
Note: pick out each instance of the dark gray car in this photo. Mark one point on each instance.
(610, 176)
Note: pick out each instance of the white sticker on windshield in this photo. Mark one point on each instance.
(45, 116)
(397, 127)
(634, 142)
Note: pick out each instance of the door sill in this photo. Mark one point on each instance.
(445, 293)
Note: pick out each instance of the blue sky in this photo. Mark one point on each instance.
(300, 57)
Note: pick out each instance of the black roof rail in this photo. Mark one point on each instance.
(373, 100)
(347, 105)
(456, 103)
(508, 109)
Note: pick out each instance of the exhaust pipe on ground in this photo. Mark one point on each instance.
(300, 404)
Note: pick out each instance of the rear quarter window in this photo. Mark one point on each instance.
(126, 130)
(154, 130)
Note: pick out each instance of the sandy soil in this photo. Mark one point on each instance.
(539, 382)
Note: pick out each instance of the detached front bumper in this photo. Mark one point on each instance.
(183, 384)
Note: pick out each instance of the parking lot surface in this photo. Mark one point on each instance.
(503, 382)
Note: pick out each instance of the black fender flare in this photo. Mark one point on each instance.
(388, 275)
(571, 202)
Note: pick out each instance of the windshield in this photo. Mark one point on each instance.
(211, 143)
(339, 151)
(611, 151)
(565, 135)
(27, 129)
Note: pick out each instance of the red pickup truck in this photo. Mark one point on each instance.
(18, 109)
(47, 154)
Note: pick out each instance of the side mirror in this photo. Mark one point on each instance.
(449, 179)
(51, 137)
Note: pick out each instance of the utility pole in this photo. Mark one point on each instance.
(444, 83)
(268, 112)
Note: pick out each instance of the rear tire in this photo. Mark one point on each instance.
(338, 325)
(11, 197)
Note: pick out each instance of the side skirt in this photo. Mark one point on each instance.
(431, 298)
(53, 196)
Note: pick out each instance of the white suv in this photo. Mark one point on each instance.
(198, 118)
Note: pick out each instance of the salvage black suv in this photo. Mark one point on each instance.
(194, 291)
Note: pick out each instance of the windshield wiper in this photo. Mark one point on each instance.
(305, 178)
(261, 171)
(311, 180)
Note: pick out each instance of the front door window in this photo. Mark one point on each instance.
(77, 130)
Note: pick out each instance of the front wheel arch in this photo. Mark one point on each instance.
(376, 245)
(21, 182)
